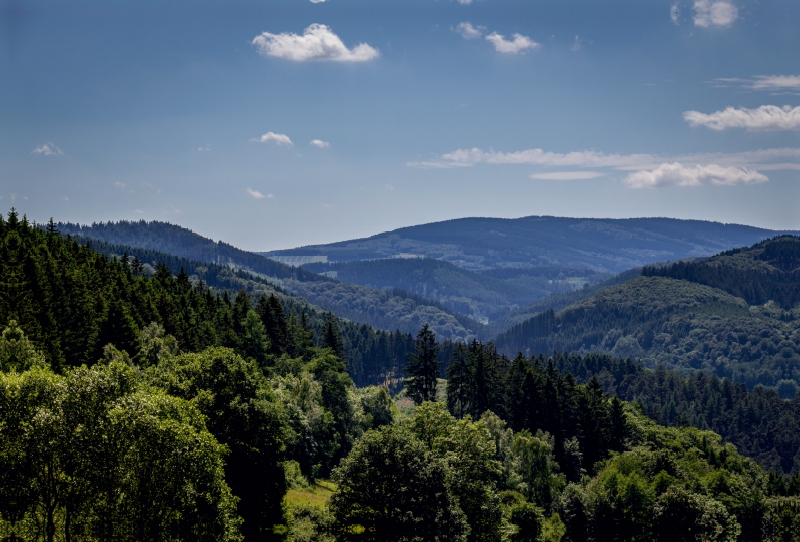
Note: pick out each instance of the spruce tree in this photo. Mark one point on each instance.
(423, 367)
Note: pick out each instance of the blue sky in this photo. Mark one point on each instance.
(277, 123)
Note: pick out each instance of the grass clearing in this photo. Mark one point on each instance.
(316, 494)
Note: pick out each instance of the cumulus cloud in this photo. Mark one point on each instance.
(255, 194)
(319, 143)
(48, 149)
(518, 44)
(318, 42)
(468, 31)
(675, 13)
(676, 174)
(766, 117)
(720, 13)
(568, 175)
(271, 137)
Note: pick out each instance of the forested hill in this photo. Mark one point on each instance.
(484, 296)
(611, 245)
(179, 241)
(72, 299)
(767, 271)
(684, 325)
(384, 309)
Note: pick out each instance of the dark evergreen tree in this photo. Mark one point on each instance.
(423, 367)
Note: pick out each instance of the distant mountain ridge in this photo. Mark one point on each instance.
(600, 244)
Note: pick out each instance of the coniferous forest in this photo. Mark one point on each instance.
(186, 401)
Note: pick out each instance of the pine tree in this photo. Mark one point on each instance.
(459, 382)
(423, 367)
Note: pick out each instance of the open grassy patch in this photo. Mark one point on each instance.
(316, 494)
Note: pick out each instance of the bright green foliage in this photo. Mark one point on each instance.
(682, 516)
(393, 487)
(17, 353)
(310, 523)
(675, 484)
(782, 519)
(423, 367)
(243, 414)
(95, 455)
(377, 405)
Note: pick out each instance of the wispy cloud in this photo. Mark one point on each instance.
(720, 13)
(468, 31)
(675, 13)
(318, 42)
(319, 143)
(464, 2)
(576, 45)
(317, 1)
(518, 43)
(568, 175)
(676, 174)
(48, 149)
(120, 185)
(255, 194)
(766, 117)
(788, 84)
(271, 137)
(764, 158)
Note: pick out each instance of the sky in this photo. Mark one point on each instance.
(279, 123)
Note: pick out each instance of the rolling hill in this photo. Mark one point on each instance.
(687, 324)
(606, 245)
(483, 296)
(389, 310)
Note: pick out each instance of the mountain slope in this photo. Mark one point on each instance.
(482, 296)
(390, 310)
(682, 324)
(609, 245)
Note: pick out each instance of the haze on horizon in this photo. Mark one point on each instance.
(294, 122)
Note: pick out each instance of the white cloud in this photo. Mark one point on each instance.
(468, 31)
(255, 194)
(775, 82)
(720, 13)
(676, 174)
(48, 149)
(675, 13)
(464, 2)
(139, 212)
(576, 46)
(766, 117)
(120, 185)
(764, 158)
(318, 42)
(469, 157)
(317, 1)
(517, 45)
(319, 143)
(568, 175)
(278, 139)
